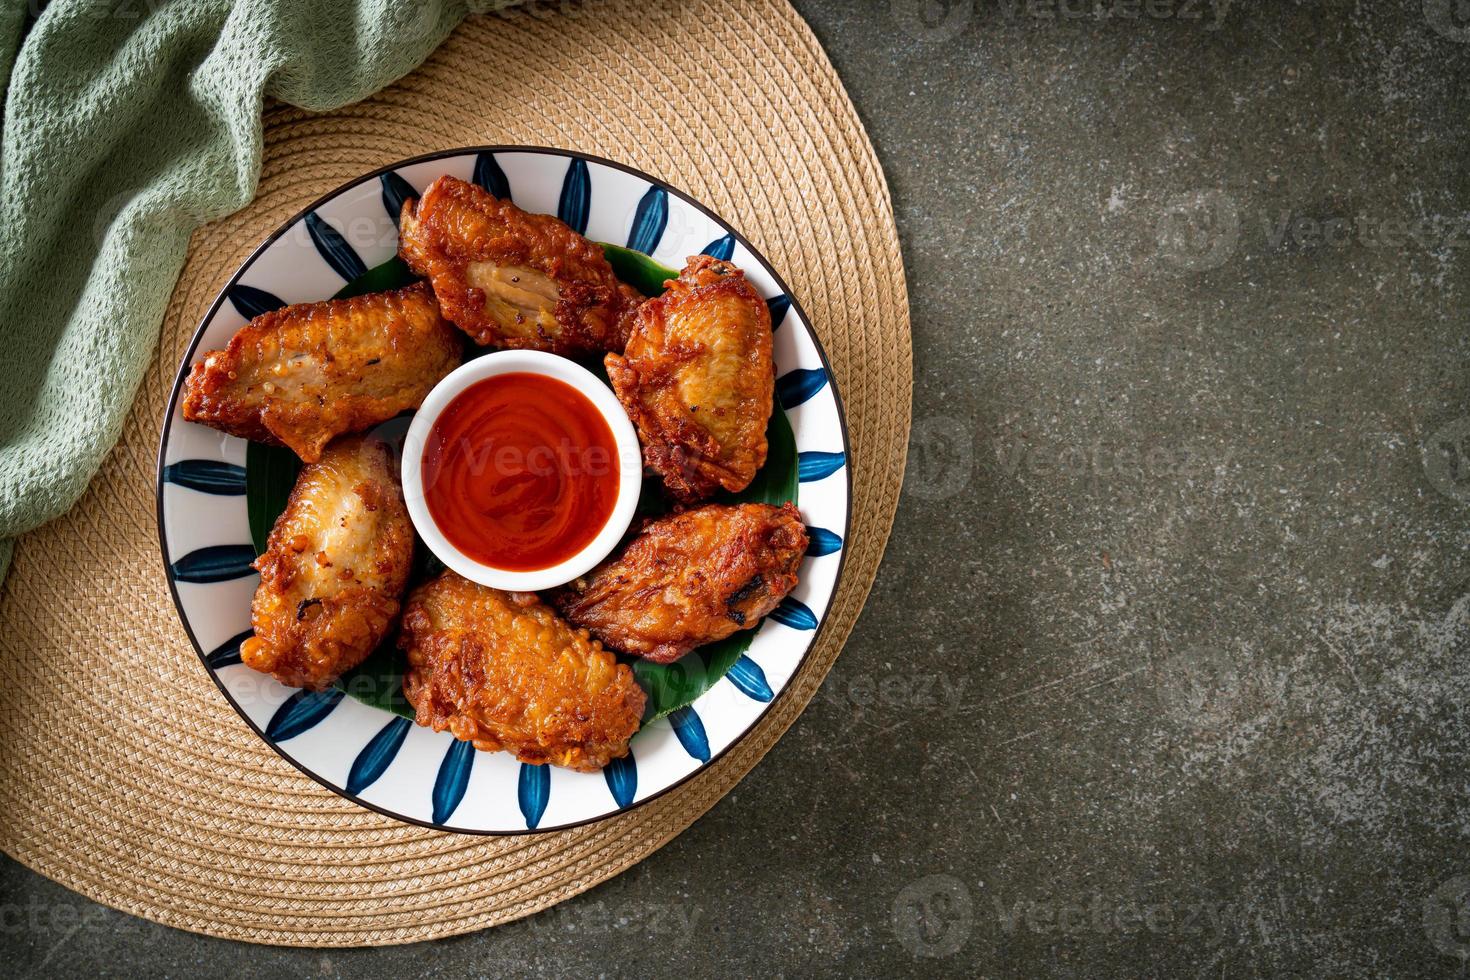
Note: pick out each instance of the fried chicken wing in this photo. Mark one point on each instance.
(503, 671)
(334, 567)
(513, 279)
(690, 579)
(697, 378)
(304, 374)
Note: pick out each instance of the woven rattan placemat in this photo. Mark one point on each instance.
(126, 776)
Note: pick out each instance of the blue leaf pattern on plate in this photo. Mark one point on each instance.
(794, 613)
(778, 305)
(622, 780)
(217, 563)
(823, 541)
(334, 248)
(396, 190)
(453, 779)
(207, 476)
(813, 465)
(250, 302)
(690, 731)
(489, 175)
(799, 385)
(721, 248)
(747, 675)
(302, 711)
(649, 221)
(533, 792)
(376, 756)
(576, 197)
(228, 652)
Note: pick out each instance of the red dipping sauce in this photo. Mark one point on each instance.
(520, 472)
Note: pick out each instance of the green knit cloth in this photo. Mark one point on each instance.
(128, 123)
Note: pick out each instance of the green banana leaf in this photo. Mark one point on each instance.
(271, 471)
(637, 269)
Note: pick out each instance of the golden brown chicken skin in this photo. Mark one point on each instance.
(513, 279)
(690, 579)
(334, 568)
(501, 670)
(302, 375)
(697, 378)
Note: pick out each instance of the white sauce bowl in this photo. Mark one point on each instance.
(630, 467)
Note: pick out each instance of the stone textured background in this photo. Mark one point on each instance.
(1166, 669)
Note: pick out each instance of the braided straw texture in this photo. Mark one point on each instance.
(127, 777)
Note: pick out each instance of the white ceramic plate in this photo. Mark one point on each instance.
(381, 760)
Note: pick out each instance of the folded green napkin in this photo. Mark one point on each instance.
(128, 123)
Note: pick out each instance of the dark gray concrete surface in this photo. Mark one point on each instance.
(1165, 672)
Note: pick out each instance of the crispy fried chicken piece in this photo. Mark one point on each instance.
(690, 579)
(513, 279)
(697, 378)
(334, 567)
(304, 374)
(503, 671)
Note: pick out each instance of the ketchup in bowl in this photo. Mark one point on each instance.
(520, 471)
